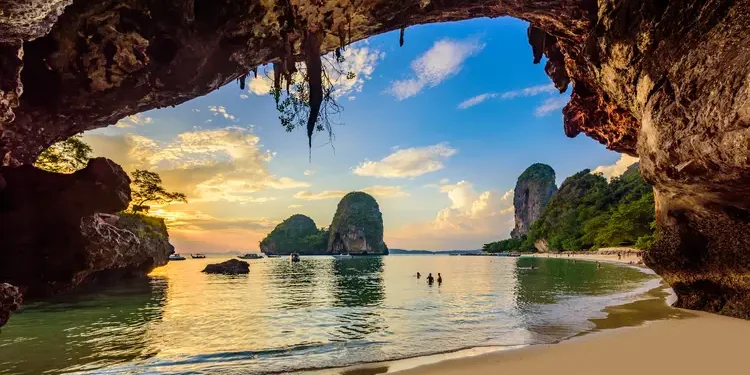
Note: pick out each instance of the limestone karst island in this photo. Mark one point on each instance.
(374, 186)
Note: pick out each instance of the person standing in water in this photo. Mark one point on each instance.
(419, 275)
(440, 279)
(430, 279)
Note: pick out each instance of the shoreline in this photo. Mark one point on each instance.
(652, 307)
(699, 344)
(628, 260)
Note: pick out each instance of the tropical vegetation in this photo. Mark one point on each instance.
(588, 213)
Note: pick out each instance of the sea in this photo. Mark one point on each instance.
(321, 315)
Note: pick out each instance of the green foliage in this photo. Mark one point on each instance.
(318, 242)
(146, 187)
(66, 156)
(538, 171)
(145, 227)
(298, 233)
(588, 213)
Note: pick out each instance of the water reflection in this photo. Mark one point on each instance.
(560, 292)
(358, 282)
(297, 283)
(357, 289)
(83, 331)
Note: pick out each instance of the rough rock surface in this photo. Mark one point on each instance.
(357, 226)
(534, 188)
(230, 267)
(289, 236)
(668, 81)
(53, 236)
(10, 301)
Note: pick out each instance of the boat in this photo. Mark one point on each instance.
(342, 256)
(198, 256)
(250, 256)
(176, 257)
(272, 255)
(294, 257)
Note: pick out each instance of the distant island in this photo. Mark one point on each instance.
(356, 229)
(430, 252)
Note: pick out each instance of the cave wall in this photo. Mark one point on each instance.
(668, 81)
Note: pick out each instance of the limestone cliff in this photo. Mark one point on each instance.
(10, 301)
(534, 188)
(664, 80)
(55, 237)
(290, 236)
(357, 226)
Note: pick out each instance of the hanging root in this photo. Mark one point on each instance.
(107, 232)
(401, 37)
(314, 80)
(255, 72)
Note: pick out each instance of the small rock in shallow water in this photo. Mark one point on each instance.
(230, 267)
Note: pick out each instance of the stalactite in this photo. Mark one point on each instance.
(314, 79)
(401, 37)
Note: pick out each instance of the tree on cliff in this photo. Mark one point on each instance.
(146, 187)
(65, 156)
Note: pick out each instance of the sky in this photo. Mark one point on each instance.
(437, 131)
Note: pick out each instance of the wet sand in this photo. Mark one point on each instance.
(700, 344)
(626, 259)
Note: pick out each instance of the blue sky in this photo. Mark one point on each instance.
(442, 171)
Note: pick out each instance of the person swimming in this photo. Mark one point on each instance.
(430, 279)
(533, 267)
(419, 275)
(440, 278)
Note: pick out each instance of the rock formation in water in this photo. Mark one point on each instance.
(357, 226)
(534, 188)
(230, 267)
(291, 236)
(54, 237)
(665, 80)
(10, 301)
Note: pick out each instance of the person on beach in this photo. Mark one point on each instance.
(430, 279)
(419, 275)
(440, 279)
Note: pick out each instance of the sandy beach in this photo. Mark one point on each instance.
(701, 344)
(625, 259)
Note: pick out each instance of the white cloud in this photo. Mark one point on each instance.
(294, 206)
(550, 105)
(524, 92)
(385, 191)
(472, 218)
(133, 121)
(443, 60)
(444, 181)
(221, 111)
(309, 172)
(244, 96)
(225, 164)
(381, 191)
(529, 91)
(618, 168)
(475, 100)
(327, 194)
(408, 162)
(359, 59)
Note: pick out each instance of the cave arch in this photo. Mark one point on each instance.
(668, 81)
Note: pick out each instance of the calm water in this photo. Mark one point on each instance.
(318, 313)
